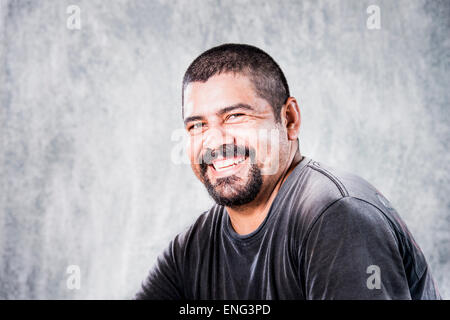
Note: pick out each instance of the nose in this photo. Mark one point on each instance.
(214, 138)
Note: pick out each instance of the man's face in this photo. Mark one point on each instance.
(236, 147)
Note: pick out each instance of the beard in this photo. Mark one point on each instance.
(227, 191)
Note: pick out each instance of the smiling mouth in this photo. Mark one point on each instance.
(227, 163)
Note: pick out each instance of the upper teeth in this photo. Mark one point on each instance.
(224, 163)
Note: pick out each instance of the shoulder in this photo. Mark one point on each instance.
(318, 188)
(355, 215)
(341, 183)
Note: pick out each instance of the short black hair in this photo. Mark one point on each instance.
(266, 75)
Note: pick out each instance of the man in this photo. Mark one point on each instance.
(284, 226)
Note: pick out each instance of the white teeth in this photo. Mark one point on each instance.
(221, 165)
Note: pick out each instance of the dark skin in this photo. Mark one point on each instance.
(226, 110)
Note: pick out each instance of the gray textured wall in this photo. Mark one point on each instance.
(87, 116)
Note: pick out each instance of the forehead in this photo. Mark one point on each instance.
(219, 91)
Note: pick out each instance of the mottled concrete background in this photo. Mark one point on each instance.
(87, 117)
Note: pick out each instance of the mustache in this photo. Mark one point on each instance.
(226, 151)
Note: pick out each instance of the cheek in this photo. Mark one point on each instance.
(193, 149)
(268, 144)
(265, 143)
(243, 136)
(270, 152)
(196, 169)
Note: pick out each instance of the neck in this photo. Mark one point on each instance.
(246, 218)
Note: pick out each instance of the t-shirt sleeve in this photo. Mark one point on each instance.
(163, 281)
(351, 252)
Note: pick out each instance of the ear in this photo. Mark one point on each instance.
(292, 118)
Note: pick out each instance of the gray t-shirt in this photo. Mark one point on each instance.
(328, 235)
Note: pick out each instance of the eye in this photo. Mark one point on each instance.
(197, 125)
(234, 115)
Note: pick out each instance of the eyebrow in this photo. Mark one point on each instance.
(221, 112)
